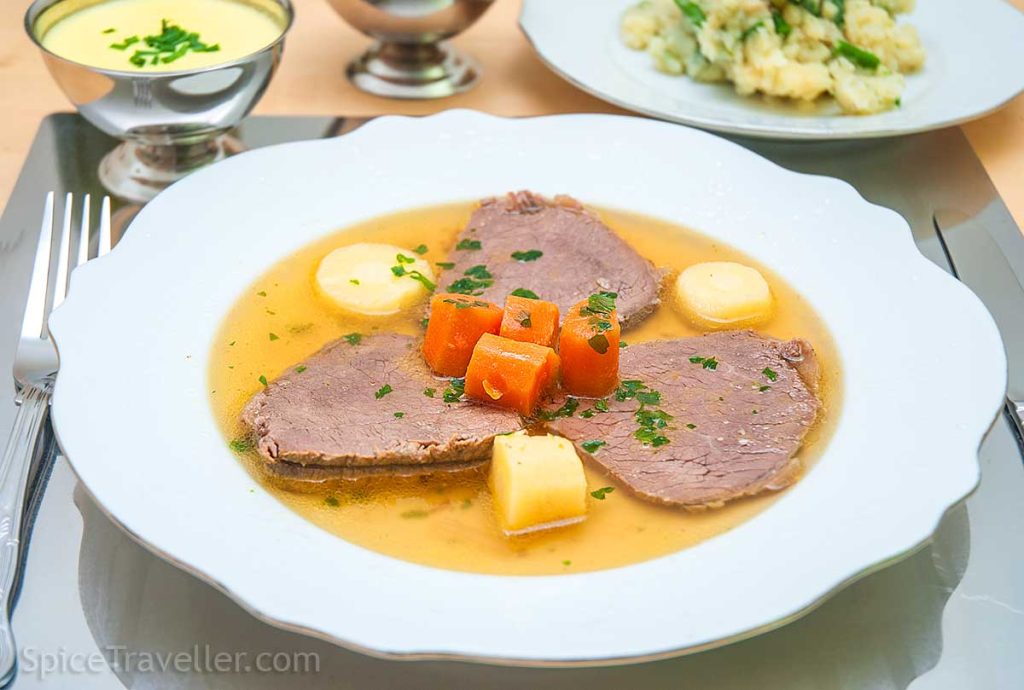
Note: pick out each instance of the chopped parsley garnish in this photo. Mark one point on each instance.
(353, 338)
(587, 414)
(354, 281)
(693, 12)
(466, 503)
(477, 279)
(479, 271)
(421, 249)
(706, 362)
(242, 445)
(649, 421)
(566, 563)
(332, 501)
(445, 264)
(263, 379)
(273, 337)
(109, 31)
(462, 304)
(429, 392)
(754, 412)
(601, 405)
(415, 514)
(262, 293)
(812, 6)
(301, 368)
(864, 59)
(232, 343)
(465, 245)
(599, 343)
(840, 15)
(523, 292)
(691, 426)
(383, 390)
(592, 446)
(622, 344)
(525, 321)
(172, 43)
(749, 31)
(762, 389)
(400, 271)
(453, 393)
(399, 415)
(529, 255)
(782, 27)
(600, 304)
(770, 375)
(602, 492)
(568, 409)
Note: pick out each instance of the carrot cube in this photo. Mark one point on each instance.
(456, 324)
(589, 347)
(510, 373)
(530, 321)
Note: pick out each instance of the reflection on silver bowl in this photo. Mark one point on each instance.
(170, 123)
(409, 59)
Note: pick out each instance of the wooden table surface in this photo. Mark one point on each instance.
(312, 82)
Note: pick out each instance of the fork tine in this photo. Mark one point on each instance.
(60, 287)
(104, 227)
(84, 236)
(35, 307)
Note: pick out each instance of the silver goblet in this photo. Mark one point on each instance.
(170, 123)
(410, 58)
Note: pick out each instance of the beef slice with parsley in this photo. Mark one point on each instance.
(553, 248)
(366, 405)
(700, 421)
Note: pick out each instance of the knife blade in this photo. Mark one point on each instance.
(980, 264)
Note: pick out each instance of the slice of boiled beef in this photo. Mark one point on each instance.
(364, 406)
(580, 255)
(740, 406)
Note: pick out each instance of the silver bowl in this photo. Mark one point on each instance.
(170, 123)
(410, 58)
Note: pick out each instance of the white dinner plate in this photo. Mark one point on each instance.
(973, 66)
(922, 361)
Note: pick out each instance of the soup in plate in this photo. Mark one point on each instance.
(524, 385)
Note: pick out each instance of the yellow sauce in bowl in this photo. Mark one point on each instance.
(159, 35)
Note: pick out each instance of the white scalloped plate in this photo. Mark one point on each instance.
(923, 365)
(973, 67)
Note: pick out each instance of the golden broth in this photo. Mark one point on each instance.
(108, 34)
(448, 521)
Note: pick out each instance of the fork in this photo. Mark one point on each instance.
(35, 370)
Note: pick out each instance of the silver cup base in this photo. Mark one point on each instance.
(137, 171)
(413, 71)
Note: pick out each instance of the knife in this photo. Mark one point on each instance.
(980, 264)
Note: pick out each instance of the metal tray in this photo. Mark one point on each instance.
(949, 616)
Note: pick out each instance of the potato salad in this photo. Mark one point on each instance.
(852, 50)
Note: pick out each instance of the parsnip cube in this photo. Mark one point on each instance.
(724, 294)
(537, 482)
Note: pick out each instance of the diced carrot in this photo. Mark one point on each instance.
(510, 373)
(456, 324)
(530, 321)
(589, 347)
